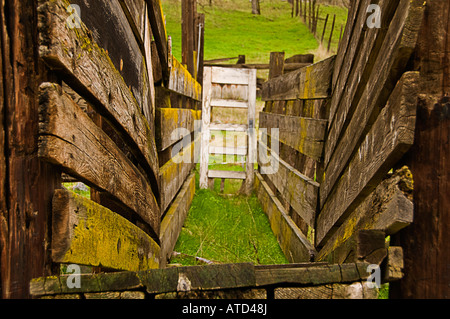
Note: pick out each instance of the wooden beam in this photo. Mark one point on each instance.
(305, 135)
(294, 244)
(157, 22)
(298, 190)
(389, 138)
(251, 134)
(388, 69)
(313, 275)
(311, 82)
(358, 58)
(174, 219)
(226, 174)
(173, 124)
(86, 233)
(222, 75)
(229, 103)
(68, 138)
(122, 46)
(403, 96)
(88, 69)
(258, 66)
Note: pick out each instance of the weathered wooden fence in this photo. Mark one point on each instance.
(103, 97)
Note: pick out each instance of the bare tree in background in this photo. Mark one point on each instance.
(255, 7)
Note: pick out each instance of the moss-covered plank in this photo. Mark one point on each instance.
(174, 124)
(311, 82)
(173, 174)
(86, 233)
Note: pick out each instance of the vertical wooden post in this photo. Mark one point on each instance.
(301, 8)
(200, 22)
(26, 183)
(324, 28)
(309, 12)
(304, 13)
(425, 242)
(331, 34)
(206, 120)
(251, 150)
(188, 12)
(276, 64)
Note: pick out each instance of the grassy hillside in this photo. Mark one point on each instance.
(231, 29)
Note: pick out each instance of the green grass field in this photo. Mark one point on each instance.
(231, 29)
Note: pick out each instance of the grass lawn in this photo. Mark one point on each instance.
(227, 229)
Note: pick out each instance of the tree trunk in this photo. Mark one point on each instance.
(255, 7)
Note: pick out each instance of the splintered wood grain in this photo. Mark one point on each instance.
(70, 139)
(389, 138)
(86, 233)
(75, 55)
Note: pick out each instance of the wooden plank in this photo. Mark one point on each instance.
(102, 16)
(297, 189)
(363, 49)
(174, 124)
(388, 68)
(259, 66)
(305, 135)
(345, 41)
(103, 282)
(135, 10)
(86, 233)
(312, 276)
(182, 82)
(206, 120)
(156, 17)
(222, 75)
(294, 244)
(68, 137)
(389, 138)
(226, 174)
(311, 82)
(210, 277)
(90, 72)
(173, 174)
(174, 219)
(228, 127)
(388, 208)
(229, 103)
(240, 151)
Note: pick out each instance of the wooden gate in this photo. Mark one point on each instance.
(228, 88)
